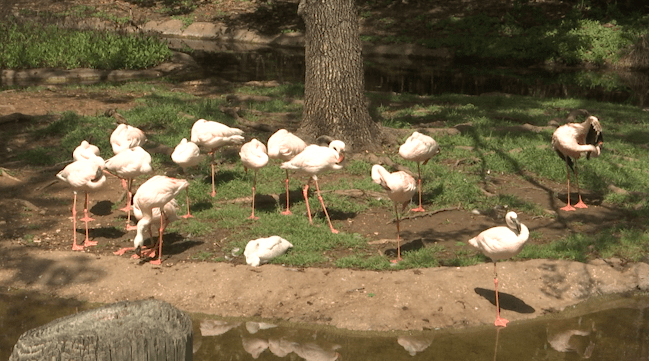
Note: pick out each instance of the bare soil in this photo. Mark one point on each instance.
(36, 235)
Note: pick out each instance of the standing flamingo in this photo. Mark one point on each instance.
(125, 137)
(154, 193)
(313, 160)
(186, 154)
(400, 186)
(572, 139)
(285, 145)
(253, 155)
(85, 150)
(129, 164)
(419, 148)
(500, 243)
(87, 176)
(214, 135)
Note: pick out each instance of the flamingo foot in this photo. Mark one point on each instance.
(89, 243)
(156, 262)
(581, 204)
(213, 194)
(568, 208)
(501, 322)
(286, 213)
(87, 219)
(334, 231)
(130, 227)
(76, 247)
(418, 209)
(395, 261)
(123, 250)
(126, 208)
(187, 216)
(253, 217)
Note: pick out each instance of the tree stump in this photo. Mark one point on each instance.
(141, 330)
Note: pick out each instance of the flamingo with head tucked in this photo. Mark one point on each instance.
(214, 135)
(501, 243)
(186, 154)
(126, 136)
(313, 160)
(285, 145)
(570, 141)
(253, 155)
(87, 176)
(419, 148)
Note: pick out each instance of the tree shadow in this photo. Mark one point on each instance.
(507, 301)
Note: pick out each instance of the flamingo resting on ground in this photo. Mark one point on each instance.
(419, 148)
(400, 186)
(253, 155)
(87, 176)
(186, 154)
(129, 164)
(125, 137)
(501, 243)
(154, 193)
(262, 250)
(214, 135)
(285, 145)
(570, 141)
(313, 160)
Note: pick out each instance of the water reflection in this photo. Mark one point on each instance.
(614, 328)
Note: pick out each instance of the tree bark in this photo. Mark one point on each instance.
(334, 87)
(141, 330)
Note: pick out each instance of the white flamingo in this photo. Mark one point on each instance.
(262, 250)
(87, 176)
(501, 243)
(313, 160)
(186, 154)
(170, 211)
(154, 193)
(253, 155)
(127, 165)
(570, 141)
(284, 145)
(125, 137)
(214, 135)
(400, 187)
(419, 148)
(85, 150)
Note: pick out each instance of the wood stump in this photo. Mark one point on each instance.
(141, 330)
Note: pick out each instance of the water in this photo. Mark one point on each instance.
(608, 328)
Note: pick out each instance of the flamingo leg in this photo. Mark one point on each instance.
(129, 226)
(86, 219)
(581, 203)
(75, 247)
(188, 215)
(420, 208)
(398, 236)
(287, 211)
(126, 184)
(568, 207)
(500, 322)
(334, 231)
(162, 228)
(254, 184)
(305, 192)
(212, 164)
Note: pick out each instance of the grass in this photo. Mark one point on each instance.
(486, 148)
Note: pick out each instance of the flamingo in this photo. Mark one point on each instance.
(213, 135)
(125, 137)
(400, 186)
(186, 154)
(419, 148)
(262, 250)
(253, 155)
(87, 176)
(500, 243)
(154, 193)
(313, 160)
(170, 215)
(285, 145)
(129, 164)
(570, 141)
(85, 150)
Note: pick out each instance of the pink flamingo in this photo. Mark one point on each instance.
(400, 186)
(500, 243)
(313, 160)
(87, 176)
(213, 135)
(129, 164)
(419, 148)
(85, 150)
(285, 145)
(572, 139)
(253, 155)
(125, 137)
(186, 154)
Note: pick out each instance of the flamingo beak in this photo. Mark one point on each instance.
(138, 251)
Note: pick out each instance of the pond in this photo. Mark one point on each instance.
(608, 328)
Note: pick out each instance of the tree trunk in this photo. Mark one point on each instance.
(142, 330)
(334, 99)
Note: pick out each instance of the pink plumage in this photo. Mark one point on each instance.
(253, 155)
(125, 137)
(284, 145)
(419, 148)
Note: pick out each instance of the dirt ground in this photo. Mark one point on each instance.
(36, 234)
